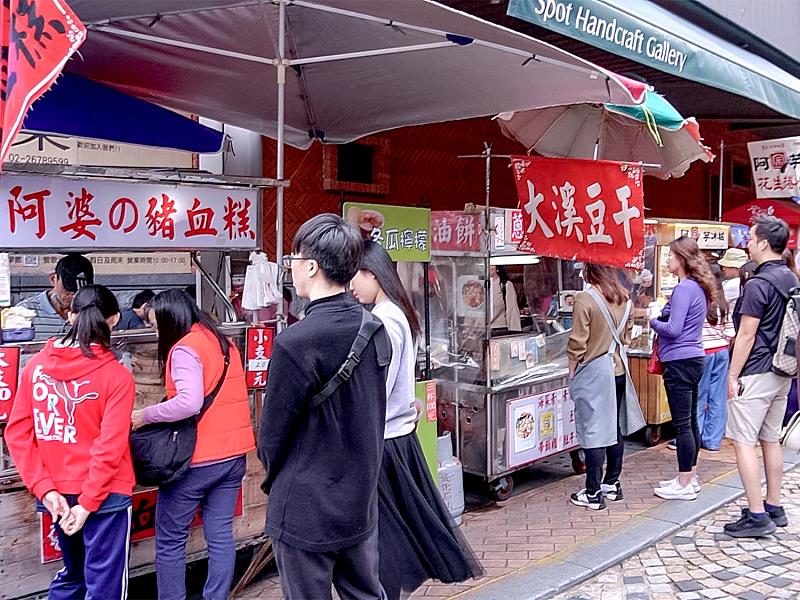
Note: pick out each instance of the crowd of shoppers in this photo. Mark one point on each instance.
(352, 504)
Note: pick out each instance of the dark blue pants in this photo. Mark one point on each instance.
(95, 559)
(214, 489)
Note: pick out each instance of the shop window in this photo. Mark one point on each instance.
(741, 175)
(361, 167)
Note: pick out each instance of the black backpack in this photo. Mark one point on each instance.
(162, 452)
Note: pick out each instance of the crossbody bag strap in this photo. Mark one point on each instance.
(209, 400)
(369, 325)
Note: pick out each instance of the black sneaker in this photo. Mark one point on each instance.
(593, 502)
(747, 526)
(612, 491)
(778, 516)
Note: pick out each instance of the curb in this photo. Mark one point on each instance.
(558, 573)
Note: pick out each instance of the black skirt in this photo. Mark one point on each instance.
(418, 539)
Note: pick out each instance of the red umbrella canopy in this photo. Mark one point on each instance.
(788, 210)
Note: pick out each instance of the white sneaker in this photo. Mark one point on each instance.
(675, 491)
(695, 483)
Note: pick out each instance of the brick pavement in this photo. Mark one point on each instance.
(700, 562)
(539, 524)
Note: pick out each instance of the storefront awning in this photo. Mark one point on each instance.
(648, 34)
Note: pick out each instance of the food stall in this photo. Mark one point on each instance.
(502, 393)
(139, 222)
(655, 284)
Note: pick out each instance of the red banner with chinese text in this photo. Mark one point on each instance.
(9, 375)
(258, 352)
(37, 37)
(456, 230)
(587, 210)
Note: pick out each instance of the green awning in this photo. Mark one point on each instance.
(646, 33)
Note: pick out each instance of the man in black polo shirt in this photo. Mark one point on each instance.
(758, 394)
(322, 460)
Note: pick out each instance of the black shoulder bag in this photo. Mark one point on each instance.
(369, 326)
(162, 452)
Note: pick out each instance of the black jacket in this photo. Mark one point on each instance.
(322, 463)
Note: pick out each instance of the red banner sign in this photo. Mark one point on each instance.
(143, 523)
(37, 37)
(585, 210)
(456, 230)
(259, 351)
(9, 374)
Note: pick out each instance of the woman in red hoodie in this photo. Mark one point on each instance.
(68, 435)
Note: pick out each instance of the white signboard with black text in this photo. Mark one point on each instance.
(776, 167)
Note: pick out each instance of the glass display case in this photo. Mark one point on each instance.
(499, 327)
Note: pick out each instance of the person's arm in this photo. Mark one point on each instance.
(395, 333)
(20, 437)
(288, 391)
(679, 308)
(187, 375)
(513, 319)
(109, 448)
(579, 335)
(745, 339)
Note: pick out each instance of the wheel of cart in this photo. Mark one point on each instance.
(501, 488)
(652, 435)
(578, 463)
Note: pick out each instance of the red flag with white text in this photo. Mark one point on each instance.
(586, 210)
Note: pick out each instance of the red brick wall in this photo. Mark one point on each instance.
(424, 171)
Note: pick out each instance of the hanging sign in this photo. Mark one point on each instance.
(405, 233)
(56, 212)
(708, 237)
(9, 375)
(454, 230)
(776, 167)
(259, 351)
(143, 523)
(38, 37)
(591, 211)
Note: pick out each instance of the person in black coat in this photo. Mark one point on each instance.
(323, 461)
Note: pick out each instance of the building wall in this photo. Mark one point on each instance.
(425, 171)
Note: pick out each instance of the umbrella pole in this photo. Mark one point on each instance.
(721, 173)
(281, 74)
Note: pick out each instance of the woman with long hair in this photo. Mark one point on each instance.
(191, 350)
(605, 404)
(680, 339)
(712, 401)
(418, 539)
(68, 435)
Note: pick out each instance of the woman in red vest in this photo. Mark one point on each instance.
(190, 352)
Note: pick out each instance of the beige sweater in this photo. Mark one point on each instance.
(590, 336)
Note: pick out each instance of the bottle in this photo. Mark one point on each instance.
(451, 477)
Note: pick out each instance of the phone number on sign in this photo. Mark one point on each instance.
(36, 159)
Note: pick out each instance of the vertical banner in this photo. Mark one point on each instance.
(587, 210)
(258, 352)
(37, 37)
(776, 167)
(9, 376)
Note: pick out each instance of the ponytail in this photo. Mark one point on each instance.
(92, 306)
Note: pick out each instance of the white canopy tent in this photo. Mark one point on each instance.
(332, 70)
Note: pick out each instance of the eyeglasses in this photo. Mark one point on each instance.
(286, 262)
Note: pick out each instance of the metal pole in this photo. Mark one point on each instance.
(721, 173)
(490, 445)
(281, 67)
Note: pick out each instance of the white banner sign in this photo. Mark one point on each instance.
(776, 167)
(62, 213)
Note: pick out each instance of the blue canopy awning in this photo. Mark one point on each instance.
(78, 107)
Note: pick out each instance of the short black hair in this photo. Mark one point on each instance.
(774, 230)
(142, 298)
(333, 243)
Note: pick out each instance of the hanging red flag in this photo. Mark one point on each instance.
(37, 38)
(587, 210)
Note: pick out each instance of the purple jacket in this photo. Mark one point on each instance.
(681, 336)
